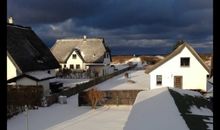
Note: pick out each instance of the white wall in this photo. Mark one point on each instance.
(194, 76)
(46, 86)
(26, 81)
(107, 59)
(11, 69)
(78, 60)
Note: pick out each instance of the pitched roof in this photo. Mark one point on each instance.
(27, 51)
(35, 78)
(92, 50)
(176, 52)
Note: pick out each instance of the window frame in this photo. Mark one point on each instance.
(74, 56)
(77, 66)
(159, 80)
(185, 61)
(71, 66)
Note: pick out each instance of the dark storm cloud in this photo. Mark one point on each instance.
(123, 23)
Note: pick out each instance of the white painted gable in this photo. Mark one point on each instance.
(11, 69)
(194, 76)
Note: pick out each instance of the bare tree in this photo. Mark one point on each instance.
(94, 96)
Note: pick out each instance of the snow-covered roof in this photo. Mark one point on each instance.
(40, 75)
(35, 75)
(187, 92)
(155, 110)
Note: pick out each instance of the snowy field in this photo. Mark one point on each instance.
(71, 82)
(71, 117)
(120, 82)
(155, 110)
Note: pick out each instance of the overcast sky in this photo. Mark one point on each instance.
(128, 26)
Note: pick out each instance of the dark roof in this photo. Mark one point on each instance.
(92, 50)
(27, 50)
(176, 52)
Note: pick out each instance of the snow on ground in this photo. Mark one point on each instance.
(136, 60)
(40, 74)
(160, 57)
(105, 118)
(120, 82)
(200, 111)
(71, 82)
(187, 92)
(155, 110)
(120, 66)
(71, 117)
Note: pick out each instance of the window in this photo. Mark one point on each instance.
(77, 66)
(74, 56)
(159, 79)
(185, 61)
(71, 66)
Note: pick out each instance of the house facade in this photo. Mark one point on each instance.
(29, 60)
(183, 68)
(83, 54)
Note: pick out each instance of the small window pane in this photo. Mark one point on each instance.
(77, 66)
(185, 61)
(71, 66)
(74, 56)
(159, 79)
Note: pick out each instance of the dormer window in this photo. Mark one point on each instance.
(74, 56)
(185, 61)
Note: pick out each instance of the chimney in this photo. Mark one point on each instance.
(10, 20)
(84, 37)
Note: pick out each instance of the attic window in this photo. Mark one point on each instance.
(185, 61)
(74, 56)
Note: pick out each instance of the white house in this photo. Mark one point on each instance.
(183, 68)
(83, 54)
(29, 60)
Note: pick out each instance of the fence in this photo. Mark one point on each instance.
(112, 97)
(83, 86)
(19, 96)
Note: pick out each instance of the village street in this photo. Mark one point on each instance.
(70, 116)
(110, 117)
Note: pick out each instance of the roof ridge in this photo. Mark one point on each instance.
(19, 26)
(68, 39)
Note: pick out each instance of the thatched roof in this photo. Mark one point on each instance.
(27, 51)
(92, 50)
(174, 53)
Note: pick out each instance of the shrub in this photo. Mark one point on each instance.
(94, 97)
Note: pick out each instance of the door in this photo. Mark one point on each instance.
(178, 81)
